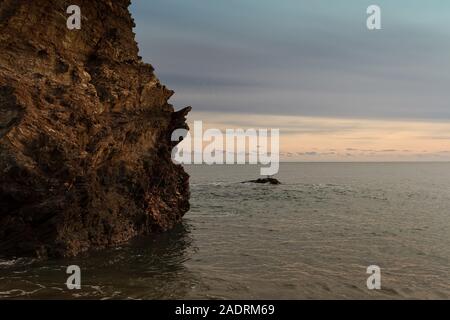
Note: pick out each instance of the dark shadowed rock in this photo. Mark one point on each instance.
(85, 126)
(264, 181)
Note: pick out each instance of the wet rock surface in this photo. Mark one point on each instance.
(85, 126)
(272, 181)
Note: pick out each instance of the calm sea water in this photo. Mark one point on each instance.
(311, 237)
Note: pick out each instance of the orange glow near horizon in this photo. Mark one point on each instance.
(328, 139)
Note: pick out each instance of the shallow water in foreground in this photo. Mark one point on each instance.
(311, 237)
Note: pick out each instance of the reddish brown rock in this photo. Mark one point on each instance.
(85, 125)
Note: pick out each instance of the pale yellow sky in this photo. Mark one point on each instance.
(337, 139)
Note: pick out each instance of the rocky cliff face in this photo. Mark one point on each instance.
(85, 126)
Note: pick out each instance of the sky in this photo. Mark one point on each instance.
(336, 91)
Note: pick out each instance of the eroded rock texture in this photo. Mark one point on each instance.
(85, 125)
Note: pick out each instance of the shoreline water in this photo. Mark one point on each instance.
(312, 237)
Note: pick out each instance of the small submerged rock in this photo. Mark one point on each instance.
(264, 181)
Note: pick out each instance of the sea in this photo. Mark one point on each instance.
(317, 235)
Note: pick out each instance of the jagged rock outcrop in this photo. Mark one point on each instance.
(85, 126)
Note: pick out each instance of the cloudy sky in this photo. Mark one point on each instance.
(336, 90)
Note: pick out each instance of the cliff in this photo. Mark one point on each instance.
(85, 125)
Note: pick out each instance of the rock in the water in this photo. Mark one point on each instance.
(264, 181)
(85, 127)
